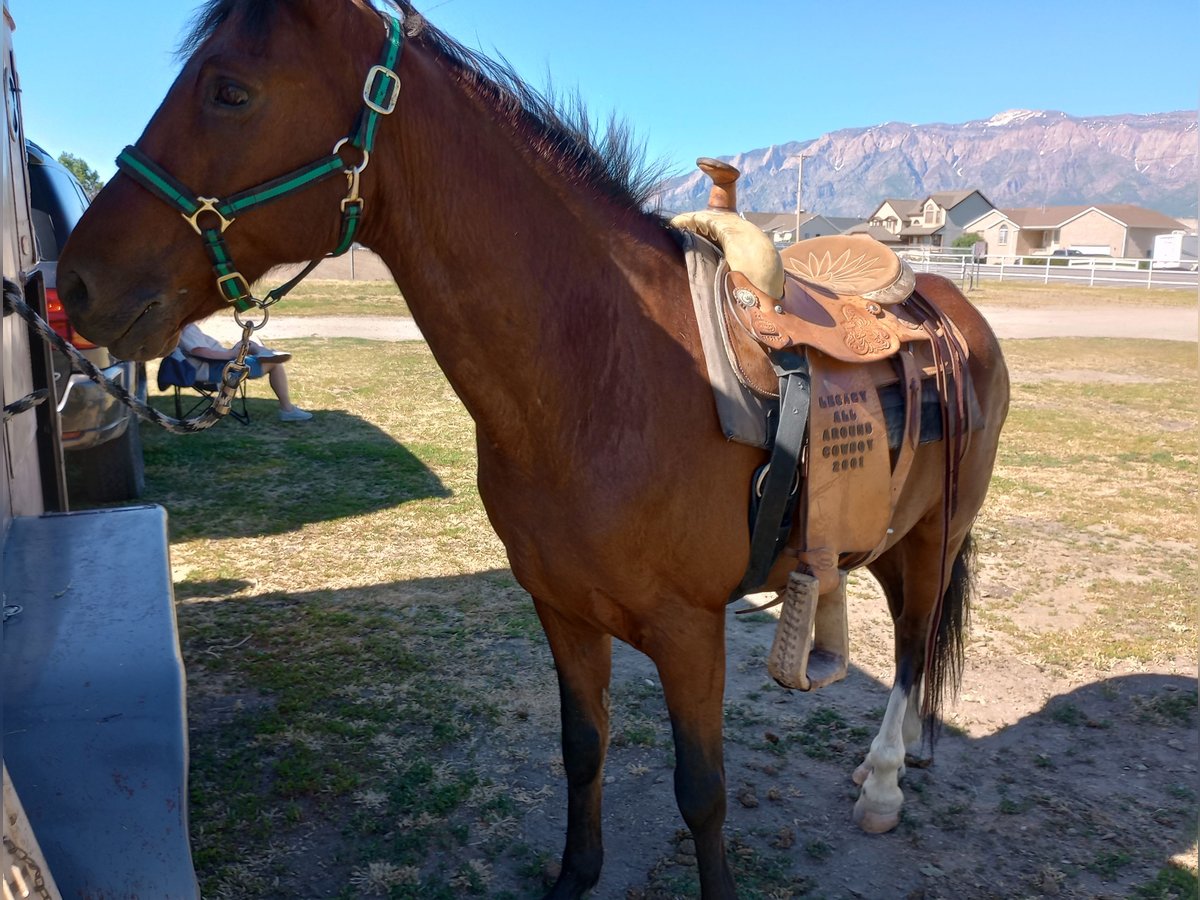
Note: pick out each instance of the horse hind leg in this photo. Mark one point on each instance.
(913, 729)
(912, 585)
(583, 659)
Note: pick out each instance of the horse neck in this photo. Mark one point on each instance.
(522, 282)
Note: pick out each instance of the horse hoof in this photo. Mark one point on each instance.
(874, 821)
(860, 774)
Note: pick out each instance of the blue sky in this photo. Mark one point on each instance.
(705, 78)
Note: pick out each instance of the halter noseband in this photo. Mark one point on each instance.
(381, 92)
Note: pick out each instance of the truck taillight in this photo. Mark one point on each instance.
(61, 324)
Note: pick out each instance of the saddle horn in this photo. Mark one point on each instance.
(723, 195)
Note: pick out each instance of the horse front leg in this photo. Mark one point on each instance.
(691, 665)
(583, 659)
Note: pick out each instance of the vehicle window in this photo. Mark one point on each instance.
(43, 230)
(55, 193)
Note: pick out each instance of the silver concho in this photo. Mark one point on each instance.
(746, 298)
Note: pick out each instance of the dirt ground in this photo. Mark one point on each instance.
(1041, 786)
(1046, 782)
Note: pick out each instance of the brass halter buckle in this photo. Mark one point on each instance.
(207, 204)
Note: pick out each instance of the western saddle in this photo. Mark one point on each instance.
(823, 325)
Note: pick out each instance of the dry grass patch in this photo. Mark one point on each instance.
(1026, 295)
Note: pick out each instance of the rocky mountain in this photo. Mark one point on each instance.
(1019, 158)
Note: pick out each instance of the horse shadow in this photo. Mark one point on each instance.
(272, 477)
(1089, 794)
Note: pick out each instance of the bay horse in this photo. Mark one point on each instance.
(559, 310)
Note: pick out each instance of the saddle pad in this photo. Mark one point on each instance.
(891, 398)
(743, 413)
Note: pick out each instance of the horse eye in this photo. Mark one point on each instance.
(231, 95)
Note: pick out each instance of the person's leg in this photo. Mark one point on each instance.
(278, 380)
(277, 377)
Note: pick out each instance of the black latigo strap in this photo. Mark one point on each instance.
(776, 485)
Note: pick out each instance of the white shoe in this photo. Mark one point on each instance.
(295, 414)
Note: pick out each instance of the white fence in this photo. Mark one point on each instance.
(957, 264)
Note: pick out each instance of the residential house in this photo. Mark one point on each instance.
(1108, 229)
(844, 223)
(933, 222)
(782, 226)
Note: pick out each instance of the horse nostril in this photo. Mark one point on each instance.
(73, 293)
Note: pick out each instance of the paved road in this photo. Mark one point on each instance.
(1156, 323)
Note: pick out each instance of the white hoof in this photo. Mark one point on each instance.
(875, 818)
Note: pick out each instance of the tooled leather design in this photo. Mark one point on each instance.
(849, 266)
(846, 328)
(845, 274)
(851, 329)
(750, 363)
(863, 334)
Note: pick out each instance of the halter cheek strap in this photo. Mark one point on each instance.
(381, 92)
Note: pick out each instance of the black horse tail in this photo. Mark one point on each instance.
(944, 667)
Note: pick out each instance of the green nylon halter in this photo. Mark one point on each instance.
(381, 92)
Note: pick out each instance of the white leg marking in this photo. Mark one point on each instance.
(879, 802)
(912, 721)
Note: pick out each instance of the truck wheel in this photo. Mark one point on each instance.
(111, 471)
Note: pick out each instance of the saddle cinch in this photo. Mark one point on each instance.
(827, 325)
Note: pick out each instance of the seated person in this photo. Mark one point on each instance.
(259, 360)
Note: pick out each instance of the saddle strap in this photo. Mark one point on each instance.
(953, 374)
(909, 440)
(794, 398)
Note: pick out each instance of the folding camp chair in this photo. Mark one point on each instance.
(179, 371)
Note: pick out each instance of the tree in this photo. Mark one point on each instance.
(88, 177)
(967, 239)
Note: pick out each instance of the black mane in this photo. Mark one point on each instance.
(611, 160)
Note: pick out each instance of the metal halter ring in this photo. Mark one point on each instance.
(356, 170)
(261, 307)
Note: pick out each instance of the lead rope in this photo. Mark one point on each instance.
(26, 403)
(231, 378)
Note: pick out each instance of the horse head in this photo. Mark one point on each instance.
(268, 87)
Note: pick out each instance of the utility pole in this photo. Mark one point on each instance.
(800, 158)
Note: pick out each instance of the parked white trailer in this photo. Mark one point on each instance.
(1175, 251)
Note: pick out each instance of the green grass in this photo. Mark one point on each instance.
(343, 298)
(1172, 882)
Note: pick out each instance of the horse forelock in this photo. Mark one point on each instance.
(608, 158)
(255, 19)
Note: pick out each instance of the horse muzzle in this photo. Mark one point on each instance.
(140, 327)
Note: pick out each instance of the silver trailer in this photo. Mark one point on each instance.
(92, 689)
